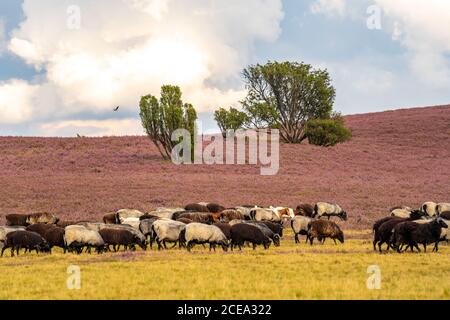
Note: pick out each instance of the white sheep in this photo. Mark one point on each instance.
(442, 207)
(260, 214)
(401, 213)
(134, 222)
(164, 230)
(199, 233)
(123, 214)
(77, 236)
(299, 225)
(429, 208)
(325, 209)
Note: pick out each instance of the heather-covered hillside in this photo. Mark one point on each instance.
(395, 157)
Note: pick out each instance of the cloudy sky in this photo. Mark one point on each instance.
(65, 64)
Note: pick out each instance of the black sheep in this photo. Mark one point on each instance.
(28, 240)
(17, 220)
(242, 232)
(412, 234)
(39, 228)
(267, 232)
(385, 235)
(276, 228)
(55, 237)
(118, 237)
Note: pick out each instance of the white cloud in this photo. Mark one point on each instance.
(128, 48)
(16, 99)
(425, 27)
(422, 27)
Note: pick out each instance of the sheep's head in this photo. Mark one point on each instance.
(276, 240)
(340, 237)
(343, 216)
(224, 245)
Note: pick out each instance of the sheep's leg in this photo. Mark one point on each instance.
(334, 241)
(379, 246)
(164, 243)
(417, 246)
(254, 246)
(425, 246)
(12, 251)
(296, 238)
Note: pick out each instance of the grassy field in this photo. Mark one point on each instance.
(288, 272)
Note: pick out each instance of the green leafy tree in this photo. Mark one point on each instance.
(286, 96)
(327, 132)
(231, 119)
(160, 118)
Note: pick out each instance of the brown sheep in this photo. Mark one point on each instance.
(304, 209)
(215, 208)
(231, 214)
(322, 229)
(196, 207)
(110, 218)
(200, 217)
(445, 215)
(42, 217)
(55, 237)
(185, 220)
(17, 220)
(117, 237)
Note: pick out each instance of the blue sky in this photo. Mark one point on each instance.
(59, 80)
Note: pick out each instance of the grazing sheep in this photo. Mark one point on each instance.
(442, 207)
(118, 237)
(401, 212)
(28, 240)
(322, 229)
(412, 234)
(444, 231)
(17, 220)
(42, 217)
(225, 227)
(245, 211)
(231, 214)
(196, 207)
(123, 214)
(200, 217)
(276, 228)
(260, 214)
(267, 232)
(146, 229)
(242, 232)
(415, 214)
(283, 212)
(134, 222)
(199, 233)
(110, 218)
(39, 228)
(429, 208)
(384, 232)
(324, 209)
(78, 237)
(166, 231)
(215, 208)
(304, 209)
(299, 225)
(4, 230)
(445, 215)
(55, 237)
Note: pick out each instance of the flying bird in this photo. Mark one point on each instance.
(116, 108)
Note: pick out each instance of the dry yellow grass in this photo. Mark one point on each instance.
(289, 272)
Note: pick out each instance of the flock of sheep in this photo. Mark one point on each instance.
(214, 225)
(407, 228)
